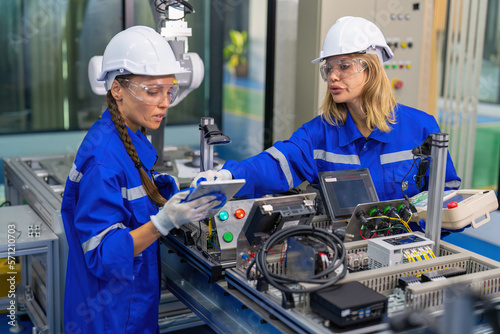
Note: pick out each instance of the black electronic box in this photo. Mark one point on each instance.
(348, 304)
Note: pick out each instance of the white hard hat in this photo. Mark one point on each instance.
(138, 50)
(354, 35)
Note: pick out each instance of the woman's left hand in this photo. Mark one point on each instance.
(168, 185)
(211, 175)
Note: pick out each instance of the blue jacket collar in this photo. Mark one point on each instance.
(350, 133)
(145, 150)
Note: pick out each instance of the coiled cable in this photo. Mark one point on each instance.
(280, 281)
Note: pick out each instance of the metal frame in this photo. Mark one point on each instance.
(483, 276)
(214, 271)
(223, 309)
(46, 244)
(24, 183)
(439, 150)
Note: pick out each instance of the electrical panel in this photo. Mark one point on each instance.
(403, 24)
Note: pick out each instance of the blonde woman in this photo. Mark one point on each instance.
(360, 126)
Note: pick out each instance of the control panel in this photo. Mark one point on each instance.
(402, 24)
(229, 222)
(460, 207)
(380, 219)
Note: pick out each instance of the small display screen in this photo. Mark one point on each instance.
(343, 190)
(457, 198)
(350, 192)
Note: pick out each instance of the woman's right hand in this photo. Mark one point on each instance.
(177, 211)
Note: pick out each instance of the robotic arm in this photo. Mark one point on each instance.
(175, 30)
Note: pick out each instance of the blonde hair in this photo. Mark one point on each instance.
(147, 183)
(378, 100)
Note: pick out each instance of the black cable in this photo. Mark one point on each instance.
(6, 203)
(419, 178)
(404, 177)
(423, 166)
(249, 268)
(322, 235)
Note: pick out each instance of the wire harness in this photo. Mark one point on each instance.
(280, 282)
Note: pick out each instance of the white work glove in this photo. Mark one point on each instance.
(177, 212)
(211, 175)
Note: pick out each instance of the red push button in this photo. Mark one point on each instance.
(240, 213)
(452, 205)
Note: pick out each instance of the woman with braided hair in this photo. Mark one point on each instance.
(115, 206)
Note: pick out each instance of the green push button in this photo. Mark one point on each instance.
(223, 215)
(228, 237)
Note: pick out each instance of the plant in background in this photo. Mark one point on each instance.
(235, 53)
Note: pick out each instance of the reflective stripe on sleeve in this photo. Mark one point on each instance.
(396, 157)
(133, 193)
(336, 158)
(93, 242)
(74, 174)
(276, 154)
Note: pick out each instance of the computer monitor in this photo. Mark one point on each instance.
(343, 190)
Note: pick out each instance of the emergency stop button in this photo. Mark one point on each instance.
(452, 205)
(396, 83)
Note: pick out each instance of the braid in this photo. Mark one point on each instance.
(117, 118)
(122, 130)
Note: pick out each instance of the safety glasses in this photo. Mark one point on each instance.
(150, 94)
(343, 68)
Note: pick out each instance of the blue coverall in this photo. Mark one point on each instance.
(318, 146)
(108, 290)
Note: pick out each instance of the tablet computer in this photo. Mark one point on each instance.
(227, 187)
